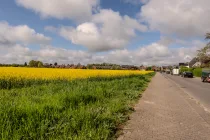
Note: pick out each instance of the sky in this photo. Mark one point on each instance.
(126, 32)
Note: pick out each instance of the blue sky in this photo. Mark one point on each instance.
(92, 31)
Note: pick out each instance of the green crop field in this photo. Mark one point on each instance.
(88, 109)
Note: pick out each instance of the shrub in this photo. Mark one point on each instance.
(197, 72)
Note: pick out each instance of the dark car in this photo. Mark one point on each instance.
(205, 77)
(168, 72)
(187, 74)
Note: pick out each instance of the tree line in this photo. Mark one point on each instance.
(32, 63)
(40, 64)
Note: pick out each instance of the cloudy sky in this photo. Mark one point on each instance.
(148, 32)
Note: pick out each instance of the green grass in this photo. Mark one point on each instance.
(90, 109)
(11, 83)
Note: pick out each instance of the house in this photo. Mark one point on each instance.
(184, 65)
(154, 68)
(194, 62)
(129, 67)
(142, 67)
(197, 64)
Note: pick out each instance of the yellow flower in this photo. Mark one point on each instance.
(54, 74)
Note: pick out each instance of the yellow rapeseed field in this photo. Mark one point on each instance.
(68, 74)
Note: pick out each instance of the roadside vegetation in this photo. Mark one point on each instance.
(79, 109)
(203, 56)
(196, 71)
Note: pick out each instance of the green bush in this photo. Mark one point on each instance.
(197, 72)
(183, 69)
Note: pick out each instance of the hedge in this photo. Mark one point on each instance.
(196, 71)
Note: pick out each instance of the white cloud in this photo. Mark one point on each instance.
(153, 54)
(183, 18)
(106, 31)
(20, 54)
(21, 33)
(71, 9)
(153, 50)
(52, 54)
(50, 29)
(136, 2)
(14, 53)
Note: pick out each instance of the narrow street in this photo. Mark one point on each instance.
(194, 87)
(168, 112)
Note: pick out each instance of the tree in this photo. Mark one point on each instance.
(78, 66)
(55, 64)
(207, 35)
(89, 66)
(15, 65)
(208, 38)
(25, 64)
(148, 68)
(204, 53)
(32, 63)
(40, 64)
(36, 63)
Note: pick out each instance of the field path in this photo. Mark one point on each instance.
(166, 112)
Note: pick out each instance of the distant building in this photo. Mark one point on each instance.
(194, 62)
(142, 67)
(197, 64)
(129, 67)
(154, 68)
(183, 65)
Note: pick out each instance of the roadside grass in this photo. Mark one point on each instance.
(88, 109)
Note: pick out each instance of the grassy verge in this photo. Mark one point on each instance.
(80, 109)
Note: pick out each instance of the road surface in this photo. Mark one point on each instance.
(167, 112)
(194, 87)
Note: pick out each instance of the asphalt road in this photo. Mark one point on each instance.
(165, 112)
(194, 87)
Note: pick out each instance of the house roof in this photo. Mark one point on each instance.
(193, 61)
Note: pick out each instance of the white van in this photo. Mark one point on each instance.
(175, 72)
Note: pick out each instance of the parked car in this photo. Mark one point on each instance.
(187, 74)
(205, 77)
(168, 72)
